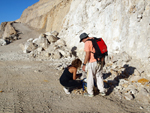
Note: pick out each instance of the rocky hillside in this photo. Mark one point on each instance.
(46, 14)
(124, 25)
(49, 31)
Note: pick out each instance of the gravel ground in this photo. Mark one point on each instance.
(32, 86)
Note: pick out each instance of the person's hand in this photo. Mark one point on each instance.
(79, 75)
(83, 67)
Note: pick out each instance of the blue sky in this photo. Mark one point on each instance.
(11, 10)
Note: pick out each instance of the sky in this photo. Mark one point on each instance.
(11, 10)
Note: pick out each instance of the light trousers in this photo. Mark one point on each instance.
(94, 73)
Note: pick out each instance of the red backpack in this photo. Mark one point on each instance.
(100, 48)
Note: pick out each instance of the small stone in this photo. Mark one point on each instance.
(141, 107)
(125, 85)
(128, 96)
(37, 71)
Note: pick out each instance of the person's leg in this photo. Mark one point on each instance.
(74, 84)
(99, 80)
(90, 81)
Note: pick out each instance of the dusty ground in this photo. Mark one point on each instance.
(30, 86)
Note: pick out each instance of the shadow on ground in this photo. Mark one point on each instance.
(111, 84)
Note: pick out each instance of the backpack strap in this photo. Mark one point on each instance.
(97, 49)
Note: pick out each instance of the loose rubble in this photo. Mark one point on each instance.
(47, 45)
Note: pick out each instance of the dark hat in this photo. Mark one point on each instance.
(82, 36)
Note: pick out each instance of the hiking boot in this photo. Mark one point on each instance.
(102, 93)
(66, 90)
(87, 94)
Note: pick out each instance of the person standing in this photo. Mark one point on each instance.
(94, 70)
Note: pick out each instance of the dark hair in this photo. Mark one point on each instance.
(76, 63)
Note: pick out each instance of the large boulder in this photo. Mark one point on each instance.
(41, 42)
(29, 46)
(51, 38)
(60, 43)
(9, 30)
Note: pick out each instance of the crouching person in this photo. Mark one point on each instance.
(69, 76)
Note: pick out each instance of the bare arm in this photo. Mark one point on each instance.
(73, 70)
(74, 73)
(86, 59)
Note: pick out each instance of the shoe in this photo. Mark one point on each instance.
(102, 93)
(66, 90)
(87, 94)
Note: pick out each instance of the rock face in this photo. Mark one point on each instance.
(123, 24)
(46, 14)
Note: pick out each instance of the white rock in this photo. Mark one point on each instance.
(51, 48)
(56, 55)
(36, 40)
(28, 47)
(119, 32)
(30, 40)
(55, 33)
(39, 49)
(47, 33)
(62, 52)
(128, 96)
(122, 81)
(51, 38)
(2, 42)
(60, 43)
(41, 41)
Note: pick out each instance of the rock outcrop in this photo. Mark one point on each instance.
(9, 30)
(8, 33)
(124, 25)
(46, 14)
